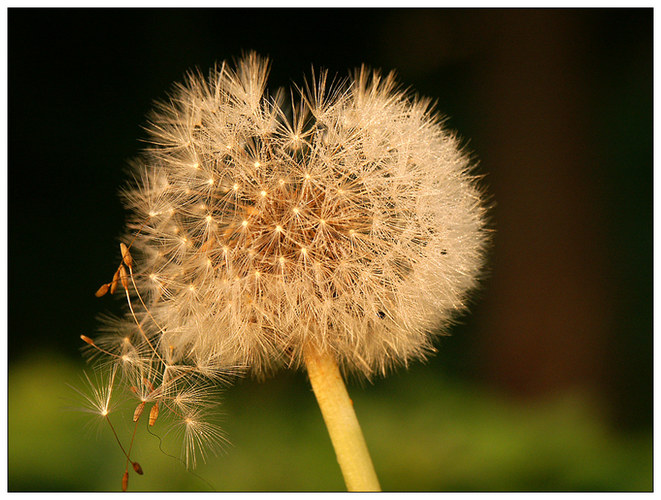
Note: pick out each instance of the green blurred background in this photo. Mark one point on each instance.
(545, 385)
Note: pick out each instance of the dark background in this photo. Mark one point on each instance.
(555, 104)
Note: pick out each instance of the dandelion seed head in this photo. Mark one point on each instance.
(374, 211)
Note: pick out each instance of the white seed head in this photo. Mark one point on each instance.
(370, 245)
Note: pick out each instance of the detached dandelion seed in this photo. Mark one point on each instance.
(347, 228)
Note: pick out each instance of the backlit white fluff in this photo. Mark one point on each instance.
(348, 220)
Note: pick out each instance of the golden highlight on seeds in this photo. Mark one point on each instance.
(337, 222)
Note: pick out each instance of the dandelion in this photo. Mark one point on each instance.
(338, 232)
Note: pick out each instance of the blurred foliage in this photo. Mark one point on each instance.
(424, 433)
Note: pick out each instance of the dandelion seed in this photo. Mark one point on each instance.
(199, 436)
(87, 339)
(115, 280)
(138, 411)
(153, 414)
(126, 255)
(124, 277)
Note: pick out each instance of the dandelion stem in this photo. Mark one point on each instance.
(341, 422)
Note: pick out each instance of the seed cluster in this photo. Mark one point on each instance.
(349, 221)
